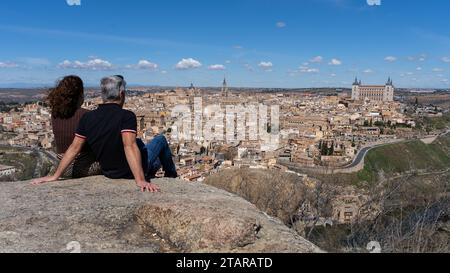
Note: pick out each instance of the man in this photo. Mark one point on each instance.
(111, 132)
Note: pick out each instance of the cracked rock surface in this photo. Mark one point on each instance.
(100, 215)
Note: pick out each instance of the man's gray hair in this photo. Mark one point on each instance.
(111, 87)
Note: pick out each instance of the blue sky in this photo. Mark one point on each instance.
(255, 43)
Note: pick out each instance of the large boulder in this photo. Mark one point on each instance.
(101, 215)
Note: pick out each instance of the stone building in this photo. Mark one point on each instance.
(362, 92)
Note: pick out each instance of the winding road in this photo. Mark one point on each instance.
(360, 156)
(357, 161)
(42, 156)
(364, 151)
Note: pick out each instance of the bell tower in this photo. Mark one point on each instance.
(225, 88)
(355, 89)
(389, 90)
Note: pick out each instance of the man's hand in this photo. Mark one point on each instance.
(146, 186)
(44, 180)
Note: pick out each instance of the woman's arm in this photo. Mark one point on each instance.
(69, 157)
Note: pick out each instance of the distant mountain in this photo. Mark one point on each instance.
(25, 85)
(22, 95)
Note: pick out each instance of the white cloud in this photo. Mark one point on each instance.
(65, 64)
(164, 72)
(335, 62)
(73, 2)
(446, 59)
(419, 68)
(368, 71)
(390, 59)
(333, 75)
(249, 67)
(188, 63)
(305, 69)
(281, 24)
(266, 65)
(94, 64)
(317, 59)
(144, 65)
(438, 70)
(217, 67)
(420, 58)
(313, 70)
(8, 65)
(228, 62)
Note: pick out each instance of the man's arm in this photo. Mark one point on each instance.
(134, 159)
(69, 157)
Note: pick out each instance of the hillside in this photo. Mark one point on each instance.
(29, 163)
(113, 216)
(402, 212)
(407, 157)
(277, 193)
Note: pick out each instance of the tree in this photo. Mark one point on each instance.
(379, 123)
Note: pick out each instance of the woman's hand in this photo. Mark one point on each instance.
(43, 180)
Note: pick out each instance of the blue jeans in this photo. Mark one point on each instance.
(157, 154)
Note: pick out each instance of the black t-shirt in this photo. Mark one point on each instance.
(103, 129)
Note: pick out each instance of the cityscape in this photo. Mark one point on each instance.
(349, 150)
(324, 133)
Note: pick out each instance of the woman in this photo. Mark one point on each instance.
(65, 101)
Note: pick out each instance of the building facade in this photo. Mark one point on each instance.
(362, 92)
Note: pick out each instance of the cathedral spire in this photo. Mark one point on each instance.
(225, 87)
(389, 82)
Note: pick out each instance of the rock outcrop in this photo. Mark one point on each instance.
(102, 215)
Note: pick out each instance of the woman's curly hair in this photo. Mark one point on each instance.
(65, 99)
